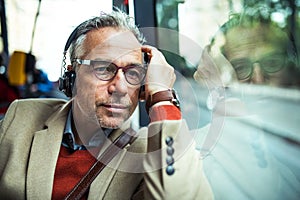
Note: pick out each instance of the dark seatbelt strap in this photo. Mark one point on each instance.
(127, 137)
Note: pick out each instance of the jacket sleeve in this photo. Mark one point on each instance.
(188, 180)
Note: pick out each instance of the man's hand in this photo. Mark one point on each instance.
(160, 75)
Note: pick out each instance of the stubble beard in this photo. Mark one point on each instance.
(107, 119)
(111, 120)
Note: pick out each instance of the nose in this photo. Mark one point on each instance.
(118, 85)
(257, 75)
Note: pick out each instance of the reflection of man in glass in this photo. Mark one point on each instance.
(257, 121)
(259, 51)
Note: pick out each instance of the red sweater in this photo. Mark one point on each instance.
(72, 166)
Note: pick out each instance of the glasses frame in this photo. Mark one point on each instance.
(260, 62)
(124, 69)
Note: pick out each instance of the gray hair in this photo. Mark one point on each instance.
(116, 18)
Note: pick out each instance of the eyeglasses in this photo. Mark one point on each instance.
(106, 71)
(269, 64)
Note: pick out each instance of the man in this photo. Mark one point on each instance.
(47, 146)
(258, 50)
(254, 117)
(259, 55)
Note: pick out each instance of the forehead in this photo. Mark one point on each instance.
(111, 42)
(252, 42)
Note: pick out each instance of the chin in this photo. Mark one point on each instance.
(112, 123)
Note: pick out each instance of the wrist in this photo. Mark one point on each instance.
(166, 97)
(153, 90)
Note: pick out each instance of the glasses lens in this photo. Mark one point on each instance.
(135, 74)
(273, 63)
(104, 70)
(243, 68)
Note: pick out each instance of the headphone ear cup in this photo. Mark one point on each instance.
(66, 82)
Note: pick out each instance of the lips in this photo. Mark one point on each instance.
(116, 106)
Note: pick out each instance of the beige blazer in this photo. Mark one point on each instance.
(30, 140)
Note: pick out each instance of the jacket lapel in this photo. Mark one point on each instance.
(102, 182)
(43, 156)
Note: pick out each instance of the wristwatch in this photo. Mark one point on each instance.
(166, 95)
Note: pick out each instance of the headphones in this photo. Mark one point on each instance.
(67, 80)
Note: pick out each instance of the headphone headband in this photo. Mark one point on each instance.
(73, 36)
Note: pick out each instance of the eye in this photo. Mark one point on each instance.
(243, 68)
(273, 63)
(135, 73)
(104, 70)
(102, 67)
(100, 70)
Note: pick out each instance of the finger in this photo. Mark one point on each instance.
(148, 49)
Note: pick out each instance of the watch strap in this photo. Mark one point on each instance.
(166, 95)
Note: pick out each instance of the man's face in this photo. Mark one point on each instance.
(112, 102)
(256, 55)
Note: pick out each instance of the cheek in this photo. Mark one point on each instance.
(85, 87)
(101, 91)
(134, 96)
(85, 84)
(279, 78)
